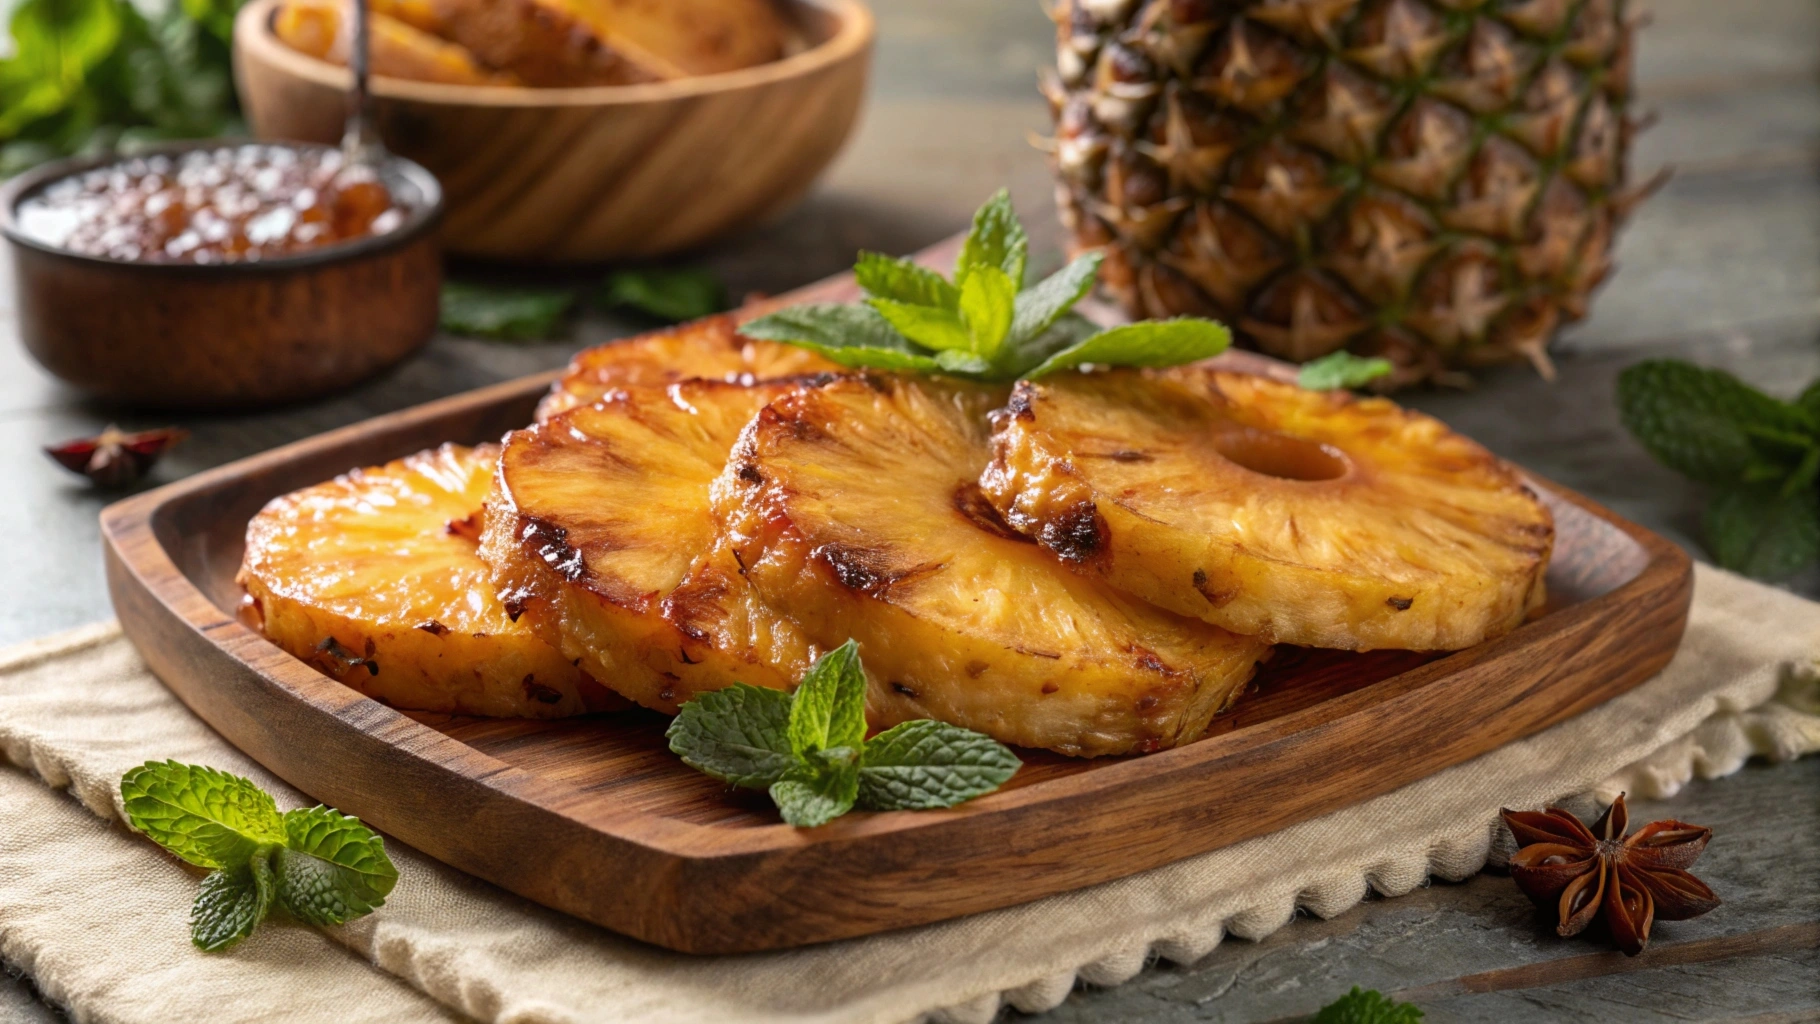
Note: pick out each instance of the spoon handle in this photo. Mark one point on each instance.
(359, 143)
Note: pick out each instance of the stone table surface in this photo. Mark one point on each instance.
(1721, 267)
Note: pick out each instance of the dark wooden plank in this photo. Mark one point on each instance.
(1443, 946)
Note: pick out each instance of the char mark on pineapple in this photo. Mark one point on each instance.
(467, 527)
(539, 692)
(550, 543)
(972, 505)
(866, 571)
(1215, 596)
(1077, 534)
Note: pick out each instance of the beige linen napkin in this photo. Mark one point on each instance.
(99, 916)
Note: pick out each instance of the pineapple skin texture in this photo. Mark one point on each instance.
(711, 349)
(368, 560)
(599, 537)
(1434, 181)
(855, 506)
(1424, 541)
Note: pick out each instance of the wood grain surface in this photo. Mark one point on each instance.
(595, 817)
(596, 173)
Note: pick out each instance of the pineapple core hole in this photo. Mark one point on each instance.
(1279, 455)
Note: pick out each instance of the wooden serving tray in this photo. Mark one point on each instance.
(596, 818)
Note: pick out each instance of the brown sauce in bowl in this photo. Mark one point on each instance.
(223, 205)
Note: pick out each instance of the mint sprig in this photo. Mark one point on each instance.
(809, 748)
(322, 866)
(1758, 454)
(984, 324)
(1341, 369)
(1367, 1006)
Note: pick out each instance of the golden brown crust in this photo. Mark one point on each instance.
(854, 506)
(710, 349)
(599, 536)
(372, 579)
(1302, 517)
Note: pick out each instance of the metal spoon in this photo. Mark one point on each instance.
(360, 142)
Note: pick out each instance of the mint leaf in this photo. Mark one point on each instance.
(996, 240)
(1806, 471)
(738, 735)
(1042, 304)
(503, 314)
(1699, 422)
(675, 295)
(232, 903)
(853, 335)
(1366, 1006)
(1151, 343)
(1021, 355)
(925, 764)
(819, 791)
(902, 280)
(988, 299)
(931, 327)
(1341, 369)
(203, 815)
(333, 868)
(1757, 531)
(1809, 402)
(962, 363)
(829, 708)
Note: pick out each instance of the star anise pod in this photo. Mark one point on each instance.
(1633, 879)
(114, 458)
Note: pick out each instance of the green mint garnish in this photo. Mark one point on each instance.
(320, 865)
(1760, 456)
(205, 816)
(809, 749)
(332, 868)
(984, 324)
(1367, 1006)
(534, 314)
(504, 314)
(232, 902)
(1341, 369)
(675, 295)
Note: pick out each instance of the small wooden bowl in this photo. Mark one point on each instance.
(599, 173)
(228, 335)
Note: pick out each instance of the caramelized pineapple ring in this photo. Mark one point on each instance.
(1301, 517)
(599, 533)
(855, 506)
(710, 349)
(373, 578)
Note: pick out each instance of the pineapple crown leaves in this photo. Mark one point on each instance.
(983, 324)
(1759, 455)
(809, 748)
(323, 867)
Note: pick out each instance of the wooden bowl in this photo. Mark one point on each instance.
(227, 335)
(598, 173)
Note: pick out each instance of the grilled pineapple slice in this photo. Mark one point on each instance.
(543, 42)
(397, 48)
(710, 348)
(1303, 517)
(690, 37)
(373, 578)
(599, 535)
(856, 507)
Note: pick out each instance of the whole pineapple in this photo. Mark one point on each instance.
(1433, 181)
